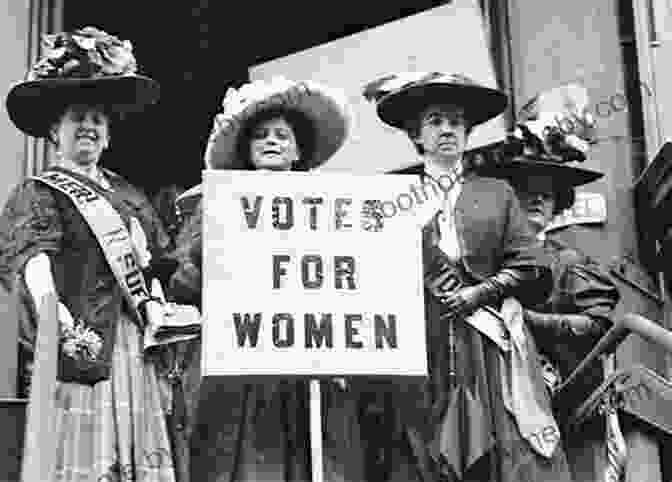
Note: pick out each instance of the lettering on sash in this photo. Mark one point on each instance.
(70, 187)
(110, 232)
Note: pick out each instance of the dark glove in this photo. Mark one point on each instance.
(445, 282)
(562, 325)
(489, 292)
(468, 299)
(162, 269)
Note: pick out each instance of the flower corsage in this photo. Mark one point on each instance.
(80, 342)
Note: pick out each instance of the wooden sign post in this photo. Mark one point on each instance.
(316, 431)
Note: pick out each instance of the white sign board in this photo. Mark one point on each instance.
(299, 280)
(449, 38)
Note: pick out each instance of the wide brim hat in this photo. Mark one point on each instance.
(325, 108)
(540, 146)
(400, 97)
(567, 177)
(33, 106)
(83, 66)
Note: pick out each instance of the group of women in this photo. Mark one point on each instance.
(478, 414)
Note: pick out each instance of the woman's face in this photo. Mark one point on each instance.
(442, 133)
(537, 197)
(273, 145)
(82, 133)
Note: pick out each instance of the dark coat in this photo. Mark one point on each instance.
(462, 397)
(493, 234)
(38, 219)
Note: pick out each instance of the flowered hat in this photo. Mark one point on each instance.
(83, 66)
(400, 97)
(554, 133)
(325, 108)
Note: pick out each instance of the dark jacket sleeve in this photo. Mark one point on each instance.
(577, 314)
(30, 224)
(496, 243)
(186, 283)
(584, 288)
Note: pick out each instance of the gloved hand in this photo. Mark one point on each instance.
(562, 325)
(466, 300)
(442, 278)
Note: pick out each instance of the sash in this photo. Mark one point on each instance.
(523, 390)
(110, 231)
(523, 387)
(489, 322)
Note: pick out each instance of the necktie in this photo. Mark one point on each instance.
(448, 242)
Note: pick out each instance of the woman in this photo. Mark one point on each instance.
(108, 413)
(260, 431)
(482, 413)
(576, 315)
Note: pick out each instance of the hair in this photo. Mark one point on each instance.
(304, 133)
(564, 198)
(412, 127)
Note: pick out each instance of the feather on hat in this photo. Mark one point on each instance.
(540, 146)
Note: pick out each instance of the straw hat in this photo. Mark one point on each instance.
(326, 109)
(400, 97)
(84, 66)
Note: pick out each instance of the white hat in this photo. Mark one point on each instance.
(325, 108)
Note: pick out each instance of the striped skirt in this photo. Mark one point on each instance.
(115, 430)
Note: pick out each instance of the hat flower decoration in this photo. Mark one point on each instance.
(541, 144)
(250, 96)
(547, 114)
(86, 66)
(326, 108)
(86, 53)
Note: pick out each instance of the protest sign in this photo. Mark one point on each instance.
(302, 276)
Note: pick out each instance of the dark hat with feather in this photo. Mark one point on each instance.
(87, 66)
(539, 146)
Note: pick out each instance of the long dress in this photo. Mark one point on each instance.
(260, 432)
(108, 427)
(455, 424)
